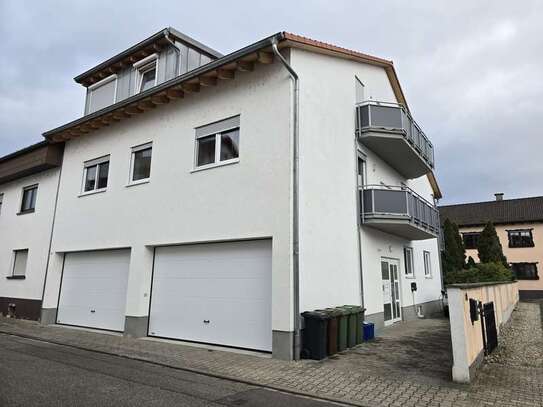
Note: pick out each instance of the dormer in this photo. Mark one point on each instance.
(155, 60)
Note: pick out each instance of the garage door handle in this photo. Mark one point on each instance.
(93, 311)
(206, 321)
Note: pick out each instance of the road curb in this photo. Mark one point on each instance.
(188, 369)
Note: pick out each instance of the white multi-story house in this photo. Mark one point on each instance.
(28, 189)
(214, 198)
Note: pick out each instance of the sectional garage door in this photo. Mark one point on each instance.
(216, 293)
(93, 290)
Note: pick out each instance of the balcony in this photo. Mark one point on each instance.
(399, 211)
(390, 131)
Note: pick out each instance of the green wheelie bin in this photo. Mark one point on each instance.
(343, 328)
(352, 322)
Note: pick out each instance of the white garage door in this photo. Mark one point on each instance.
(93, 290)
(216, 293)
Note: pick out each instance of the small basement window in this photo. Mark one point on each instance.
(218, 143)
(95, 175)
(28, 203)
(140, 166)
(525, 271)
(146, 73)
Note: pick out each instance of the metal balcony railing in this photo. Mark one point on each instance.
(402, 204)
(372, 115)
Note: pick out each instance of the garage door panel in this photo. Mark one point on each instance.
(93, 291)
(214, 293)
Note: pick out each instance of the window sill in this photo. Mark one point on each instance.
(215, 165)
(96, 191)
(410, 276)
(428, 277)
(528, 246)
(15, 277)
(26, 212)
(138, 182)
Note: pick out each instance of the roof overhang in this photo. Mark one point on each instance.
(30, 160)
(223, 68)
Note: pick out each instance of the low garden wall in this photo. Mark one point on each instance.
(466, 335)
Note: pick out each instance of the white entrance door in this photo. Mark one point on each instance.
(217, 293)
(93, 289)
(391, 290)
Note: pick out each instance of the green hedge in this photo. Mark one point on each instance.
(481, 273)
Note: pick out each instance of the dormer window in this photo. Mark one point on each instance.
(102, 94)
(146, 73)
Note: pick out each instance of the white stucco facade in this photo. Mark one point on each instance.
(330, 261)
(29, 231)
(247, 199)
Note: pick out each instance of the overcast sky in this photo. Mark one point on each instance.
(471, 70)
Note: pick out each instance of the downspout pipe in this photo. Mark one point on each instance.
(295, 198)
(178, 50)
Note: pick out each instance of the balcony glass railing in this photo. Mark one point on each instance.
(373, 115)
(401, 203)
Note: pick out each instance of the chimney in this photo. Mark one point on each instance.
(499, 196)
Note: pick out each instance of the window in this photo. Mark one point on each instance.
(525, 271)
(95, 175)
(520, 238)
(408, 256)
(427, 264)
(360, 174)
(360, 97)
(140, 167)
(218, 143)
(146, 73)
(28, 203)
(471, 240)
(102, 94)
(20, 258)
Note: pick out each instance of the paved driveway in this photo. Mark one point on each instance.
(409, 365)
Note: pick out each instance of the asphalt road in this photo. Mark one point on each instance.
(35, 373)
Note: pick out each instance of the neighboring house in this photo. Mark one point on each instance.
(28, 189)
(213, 198)
(519, 225)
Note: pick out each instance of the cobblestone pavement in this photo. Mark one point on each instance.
(409, 365)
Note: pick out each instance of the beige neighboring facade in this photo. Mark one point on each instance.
(519, 225)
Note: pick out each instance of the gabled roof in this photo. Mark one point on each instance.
(140, 50)
(507, 211)
(223, 68)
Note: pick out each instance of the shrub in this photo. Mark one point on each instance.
(481, 273)
(454, 253)
(489, 246)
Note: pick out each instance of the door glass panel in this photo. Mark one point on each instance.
(388, 312)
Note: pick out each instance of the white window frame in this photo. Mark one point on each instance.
(86, 166)
(218, 138)
(143, 66)
(427, 260)
(412, 263)
(27, 188)
(15, 253)
(91, 88)
(359, 85)
(134, 150)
